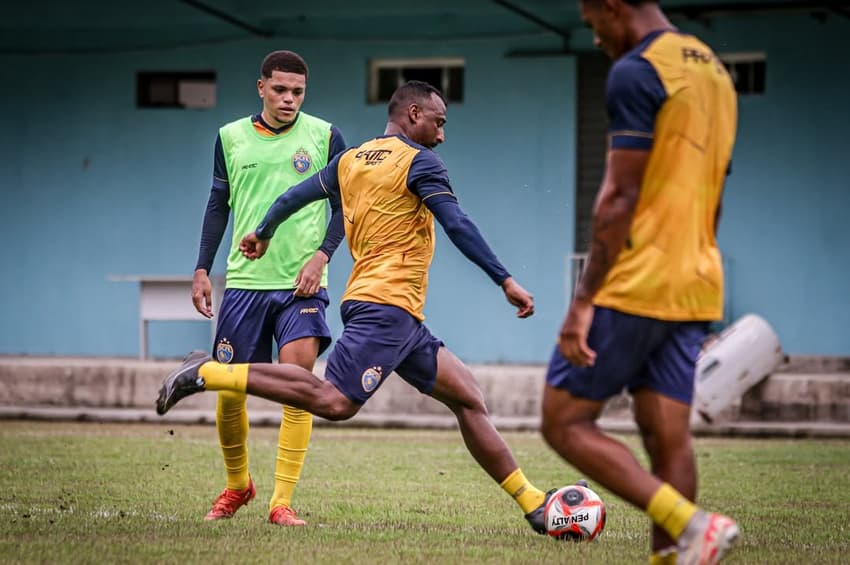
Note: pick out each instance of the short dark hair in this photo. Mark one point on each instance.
(285, 62)
(413, 91)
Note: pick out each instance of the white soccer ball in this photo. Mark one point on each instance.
(575, 513)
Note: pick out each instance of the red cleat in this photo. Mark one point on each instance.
(285, 516)
(230, 500)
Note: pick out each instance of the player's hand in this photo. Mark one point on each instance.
(518, 297)
(572, 341)
(202, 293)
(252, 247)
(309, 278)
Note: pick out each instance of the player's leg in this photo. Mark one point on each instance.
(287, 384)
(241, 336)
(433, 369)
(573, 397)
(335, 398)
(456, 387)
(663, 397)
(296, 427)
(664, 424)
(303, 333)
(569, 427)
(284, 383)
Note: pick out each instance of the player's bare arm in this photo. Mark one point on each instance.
(252, 247)
(202, 293)
(612, 218)
(309, 278)
(519, 297)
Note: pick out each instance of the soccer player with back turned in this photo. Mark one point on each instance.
(653, 279)
(282, 299)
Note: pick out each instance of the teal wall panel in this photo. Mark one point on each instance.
(92, 186)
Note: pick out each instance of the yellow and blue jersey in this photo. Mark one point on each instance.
(383, 185)
(671, 96)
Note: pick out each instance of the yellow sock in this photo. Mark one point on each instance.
(670, 510)
(292, 443)
(666, 556)
(218, 376)
(231, 418)
(526, 495)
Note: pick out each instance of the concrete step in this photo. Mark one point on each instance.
(513, 392)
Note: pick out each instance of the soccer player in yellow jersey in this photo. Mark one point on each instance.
(389, 191)
(653, 278)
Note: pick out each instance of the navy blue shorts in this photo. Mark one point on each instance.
(376, 340)
(250, 320)
(633, 352)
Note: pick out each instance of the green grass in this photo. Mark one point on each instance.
(103, 493)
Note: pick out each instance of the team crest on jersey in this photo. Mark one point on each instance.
(370, 379)
(224, 351)
(301, 161)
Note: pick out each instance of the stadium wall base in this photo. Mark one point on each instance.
(806, 397)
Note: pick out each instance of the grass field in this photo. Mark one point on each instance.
(104, 493)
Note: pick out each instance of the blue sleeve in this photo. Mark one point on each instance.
(220, 178)
(323, 184)
(428, 179)
(634, 94)
(337, 143)
(336, 229)
(217, 213)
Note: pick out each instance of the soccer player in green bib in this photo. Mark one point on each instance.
(279, 301)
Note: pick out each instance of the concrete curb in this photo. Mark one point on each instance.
(756, 429)
(790, 403)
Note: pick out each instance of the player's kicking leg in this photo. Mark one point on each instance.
(456, 387)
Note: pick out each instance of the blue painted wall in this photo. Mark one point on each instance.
(92, 186)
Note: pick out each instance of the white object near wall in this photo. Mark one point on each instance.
(739, 358)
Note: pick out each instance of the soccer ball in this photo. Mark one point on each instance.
(574, 513)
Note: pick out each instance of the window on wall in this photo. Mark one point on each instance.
(748, 71)
(385, 75)
(190, 90)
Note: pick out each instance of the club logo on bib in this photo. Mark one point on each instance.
(370, 379)
(224, 351)
(301, 161)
